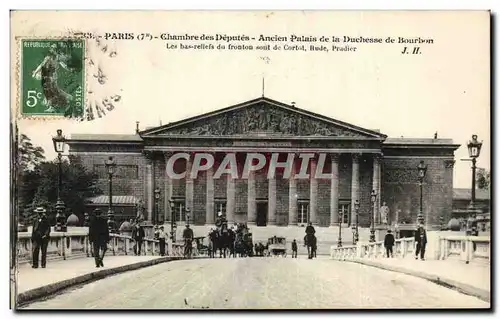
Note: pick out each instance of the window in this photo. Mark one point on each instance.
(303, 212)
(180, 210)
(345, 213)
(219, 206)
(121, 171)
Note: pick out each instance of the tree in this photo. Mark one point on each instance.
(28, 156)
(77, 185)
(483, 178)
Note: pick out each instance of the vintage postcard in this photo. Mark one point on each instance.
(250, 160)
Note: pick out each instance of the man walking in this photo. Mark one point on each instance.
(99, 237)
(294, 249)
(389, 243)
(161, 239)
(40, 236)
(138, 236)
(421, 240)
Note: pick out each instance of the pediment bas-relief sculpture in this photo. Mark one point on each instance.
(261, 119)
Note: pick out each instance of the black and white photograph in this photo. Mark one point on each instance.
(250, 160)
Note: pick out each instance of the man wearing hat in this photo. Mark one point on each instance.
(99, 237)
(421, 240)
(40, 236)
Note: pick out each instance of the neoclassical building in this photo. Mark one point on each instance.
(353, 162)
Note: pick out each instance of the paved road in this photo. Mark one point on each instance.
(260, 283)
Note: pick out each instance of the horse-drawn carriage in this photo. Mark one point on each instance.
(201, 247)
(276, 246)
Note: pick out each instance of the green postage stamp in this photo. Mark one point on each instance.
(52, 77)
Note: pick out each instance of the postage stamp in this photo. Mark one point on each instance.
(52, 77)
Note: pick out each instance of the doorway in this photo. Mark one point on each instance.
(261, 214)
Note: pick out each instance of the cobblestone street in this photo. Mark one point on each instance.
(261, 283)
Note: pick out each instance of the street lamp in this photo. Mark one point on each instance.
(341, 218)
(474, 147)
(373, 197)
(355, 225)
(173, 226)
(59, 141)
(110, 168)
(157, 199)
(422, 170)
(187, 215)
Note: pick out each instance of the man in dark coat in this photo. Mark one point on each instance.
(294, 249)
(421, 240)
(40, 236)
(389, 243)
(99, 237)
(138, 235)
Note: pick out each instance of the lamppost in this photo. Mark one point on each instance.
(355, 225)
(341, 218)
(173, 226)
(157, 200)
(474, 147)
(373, 197)
(59, 141)
(110, 167)
(187, 215)
(422, 170)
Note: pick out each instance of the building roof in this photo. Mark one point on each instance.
(418, 141)
(465, 194)
(105, 137)
(117, 200)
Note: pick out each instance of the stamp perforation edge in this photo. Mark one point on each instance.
(18, 80)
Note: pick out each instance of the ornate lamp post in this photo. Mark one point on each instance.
(341, 218)
(173, 226)
(110, 167)
(157, 199)
(355, 225)
(59, 141)
(373, 198)
(422, 170)
(474, 147)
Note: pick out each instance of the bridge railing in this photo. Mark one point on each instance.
(402, 248)
(76, 244)
(464, 248)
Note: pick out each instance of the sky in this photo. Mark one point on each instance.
(445, 89)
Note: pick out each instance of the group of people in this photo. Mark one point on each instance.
(420, 240)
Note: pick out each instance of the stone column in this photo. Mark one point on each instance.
(292, 197)
(334, 191)
(189, 188)
(149, 185)
(354, 186)
(230, 199)
(271, 216)
(209, 214)
(168, 189)
(313, 197)
(376, 187)
(251, 202)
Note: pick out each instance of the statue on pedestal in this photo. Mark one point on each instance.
(384, 214)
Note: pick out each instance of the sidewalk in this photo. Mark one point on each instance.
(473, 279)
(35, 283)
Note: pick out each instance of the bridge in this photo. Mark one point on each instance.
(455, 274)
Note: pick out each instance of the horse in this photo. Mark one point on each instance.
(310, 242)
(222, 243)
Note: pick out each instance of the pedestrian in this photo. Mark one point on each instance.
(138, 236)
(389, 243)
(99, 237)
(40, 236)
(294, 249)
(421, 240)
(161, 239)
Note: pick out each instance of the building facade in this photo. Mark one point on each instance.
(351, 161)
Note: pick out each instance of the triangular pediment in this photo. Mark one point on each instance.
(261, 117)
